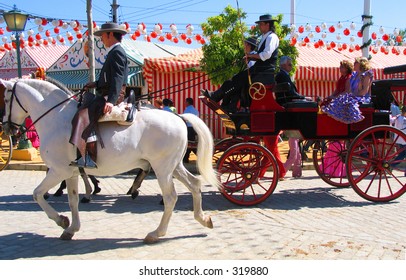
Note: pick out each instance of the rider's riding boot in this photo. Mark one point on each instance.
(131, 100)
(214, 95)
(91, 155)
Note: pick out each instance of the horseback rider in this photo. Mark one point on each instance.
(110, 91)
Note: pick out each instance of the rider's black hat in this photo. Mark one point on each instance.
(110, 27)
(265, 18)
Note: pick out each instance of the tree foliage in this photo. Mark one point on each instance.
(222, 56)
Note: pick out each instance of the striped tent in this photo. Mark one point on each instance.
(31, 60)
(318, 69)
(180, 77)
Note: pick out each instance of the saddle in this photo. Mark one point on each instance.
(122, 113)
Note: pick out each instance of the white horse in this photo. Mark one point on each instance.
(156, 138)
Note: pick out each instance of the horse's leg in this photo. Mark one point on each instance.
(50, 180)
(62, 186)
(87, 197)
(170, 197)
(73, 197)
(194, 186)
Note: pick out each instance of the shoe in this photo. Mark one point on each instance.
(281, 178)
(79, 162)
(206, 93)
(89, 163)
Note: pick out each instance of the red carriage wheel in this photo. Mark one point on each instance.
(376, 166)
(257, 91)
(223, 145)
(248, 173)
(329, 162)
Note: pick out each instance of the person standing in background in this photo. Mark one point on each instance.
(191, 133)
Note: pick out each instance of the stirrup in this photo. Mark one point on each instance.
(79, 162)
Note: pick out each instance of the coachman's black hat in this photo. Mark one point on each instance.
(265, 18)
(110, 27)
(252, 41)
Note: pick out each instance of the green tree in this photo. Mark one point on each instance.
(222, 56)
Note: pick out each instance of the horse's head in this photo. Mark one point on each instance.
(14, 112)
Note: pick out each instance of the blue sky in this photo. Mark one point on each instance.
(389, 13)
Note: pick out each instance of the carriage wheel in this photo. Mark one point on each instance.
(223, 145)
(248, 173)
(6, 150)
(257, 91)
(329, 162)
(376, 166)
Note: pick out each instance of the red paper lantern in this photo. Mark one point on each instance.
(1, 31)
(202, 41)
(317, 29)
(38, 36)
(79, 35)
(60, 23)
(70, 38)
(148, 38)
(404, 51)
(399, 39)
(137, 33)
(175, 40)
(56, 30)
(346, 32)
(359, 34)
(332, 44)
(30, 38)
(45, 42)
(316, 45)
(373, 36)
(385, 37)
(198, 37)
(134, 37)
(44, 21)
(183, 36)
(161, 38)
(293, 41)
(47, 33)
(344, 46)
(153, 34)
(332, 29)
(300, 29)
(188, 41)
(321, 43)
(306, 40)
(357, 47)
(8, 29)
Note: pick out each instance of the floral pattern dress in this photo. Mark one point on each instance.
(345, 108)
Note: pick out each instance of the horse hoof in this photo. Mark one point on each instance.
(150, 239)
(85, 200)
(209, 222)
(63, 221)
(66, 236)
(96, 189)
(135, 194)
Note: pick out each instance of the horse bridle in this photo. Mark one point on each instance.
(14, 95)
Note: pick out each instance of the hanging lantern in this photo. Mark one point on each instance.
(352, 26)
(44, 21)
(202, 41)
(45, 42)
(47, 33)
(385, 37)
(321, 43)
(300, 29)
(183, 36)
(404, 51)
(292, 28)
(352, 39)
(323, 26)
(30, 32)
(338, 36)
(310, 35)
(328, 47)
(332, 29)
(316, 45)
(56, 30)
(306, 40)
(1, 31)
(373, 36)
(137, 33)
(359, 34)
(344, 46)
(153, 34)
(308, 27)
(399, 39)
(188, 41)
(317, 29)
(332, 44)
(379, 42)
(324, 35)
(161, 38)
(175, 40)
(381, 30)
(40, 28)
(148, 38)
(38, 36)
(293, 41)
(346, 32)
(357, 47)
(339, 25)
(391, 42)
(198, 37)
(38, 21)
(339, 47)
(55, 22)
(134, 37)
(79, 35)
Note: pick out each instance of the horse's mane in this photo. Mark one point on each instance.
(59, 85)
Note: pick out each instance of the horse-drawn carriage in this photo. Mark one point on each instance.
(364, 155)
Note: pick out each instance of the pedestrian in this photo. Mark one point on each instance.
(191, 133)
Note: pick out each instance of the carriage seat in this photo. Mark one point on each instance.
(284, 94)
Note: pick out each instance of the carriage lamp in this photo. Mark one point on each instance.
(16, 21)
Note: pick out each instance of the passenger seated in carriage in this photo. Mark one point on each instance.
(285, 65)
(345, 107)
(262, 71)
(110, 91)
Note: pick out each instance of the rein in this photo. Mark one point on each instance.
(24, 129)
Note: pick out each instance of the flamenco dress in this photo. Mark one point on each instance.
(345, 107)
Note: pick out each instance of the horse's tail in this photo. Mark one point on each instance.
(205, 147)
